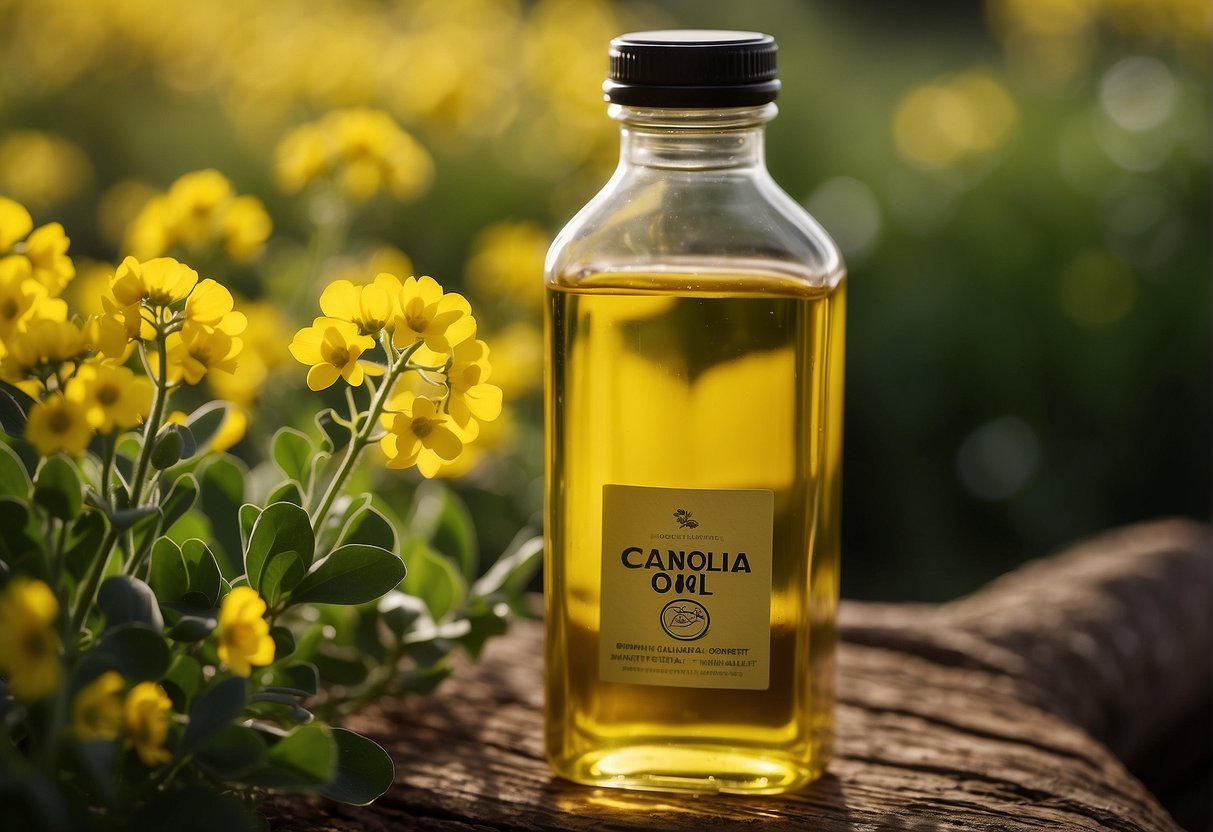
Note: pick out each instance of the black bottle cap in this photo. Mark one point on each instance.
(692, 68)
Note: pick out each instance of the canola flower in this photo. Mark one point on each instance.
(200, 211)
(359, 152)
(29, 642)
(429, 387)
(145, 717)
(244, 634)
(97, 708)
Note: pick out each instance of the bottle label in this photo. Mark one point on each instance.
(686, 587)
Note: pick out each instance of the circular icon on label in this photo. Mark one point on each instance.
(685, 620)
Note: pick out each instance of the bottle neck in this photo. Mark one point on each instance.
(697, 139)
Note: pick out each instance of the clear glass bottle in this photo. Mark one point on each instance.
(694, 430)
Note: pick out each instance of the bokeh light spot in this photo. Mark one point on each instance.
(998, 458)
(848, 210)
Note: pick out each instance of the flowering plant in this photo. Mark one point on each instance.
(177, 633)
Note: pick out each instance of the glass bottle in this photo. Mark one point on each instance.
(693, 393)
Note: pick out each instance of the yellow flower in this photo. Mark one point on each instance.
(246, 227)
(210, 304)
(517, 359)
(194, 204)
(497, 435)
(41, 168)
(146, 713)
(266, 340)
(15, 223)
(472, 397)
(507, 262)
(440, 319)
(197, 350)
(331, 349)
(22, 298)
(362, 151)
(97, 708)
(46, 249)
(382, 260)
(244, 634)
(111, 396)
(420, 434)
(149, 234)
(370, 307)
(29, 642)
(199, 210)
(58, 424)
(42, 342)
(160, 282)
(118, 327)
(301, 157)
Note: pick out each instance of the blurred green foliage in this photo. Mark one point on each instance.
(1021, 188)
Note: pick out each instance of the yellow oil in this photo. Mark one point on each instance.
(713, 381)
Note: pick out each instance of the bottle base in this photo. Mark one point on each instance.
(689, 769)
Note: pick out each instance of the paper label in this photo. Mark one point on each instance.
(686, 587)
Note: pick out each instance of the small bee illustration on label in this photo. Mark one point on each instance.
(684, 519)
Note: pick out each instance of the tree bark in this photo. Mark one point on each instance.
(1016, 708)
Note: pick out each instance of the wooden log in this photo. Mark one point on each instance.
(1002, 711)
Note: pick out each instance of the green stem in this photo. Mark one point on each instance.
(89, 593)
(110, 443)
(59, 553)
(361, 438)
(153, 422)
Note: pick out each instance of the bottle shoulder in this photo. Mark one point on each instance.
(729, 221)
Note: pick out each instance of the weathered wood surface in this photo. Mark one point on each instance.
(1006, 710)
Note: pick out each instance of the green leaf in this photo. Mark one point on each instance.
(283, 530)
(83, 543)
(124, 599)
(364, 770)
(287, 492)
(20, 538)
(180, 499)
(14, 405)
(14, 482)
(284, 642)
(205, 423)
(482, 626)
(231, 752)
(401, 612)
(509, 577)
(352, 574)
(282, 573)
(186, 675)
(336, 434)
(441, 518)
(304, 678)
(203, 570)
(248, 517)
(221, 493)
(57, 488)
(137, 651)
(213, 709)
(305, 759)
(292, 452)
(193, 628)
(128, 517)
(194, 809)
(432, 578)
(369, 526)
(168, 576)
